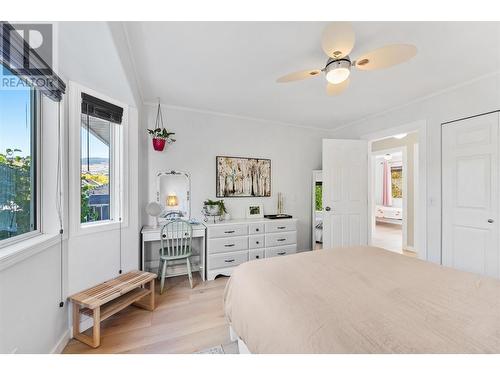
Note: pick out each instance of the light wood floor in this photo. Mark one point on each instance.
(185, 321)
(390, 237)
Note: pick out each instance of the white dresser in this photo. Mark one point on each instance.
(232, 242)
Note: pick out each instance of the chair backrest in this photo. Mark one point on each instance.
(176, 237)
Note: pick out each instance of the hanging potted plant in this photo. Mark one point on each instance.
(160, 135)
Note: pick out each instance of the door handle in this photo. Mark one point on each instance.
(229, 245)
(491, 221)
(229, 231)
(282, 253)
(327, 208)
(229, 260)
(281, 239)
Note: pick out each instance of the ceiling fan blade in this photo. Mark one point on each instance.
(296, 76)
(385, 57)
(332, 89)
(338, 39)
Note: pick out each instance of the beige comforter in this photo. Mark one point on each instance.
(361, 300)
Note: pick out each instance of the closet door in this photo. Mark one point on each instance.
(470, 187)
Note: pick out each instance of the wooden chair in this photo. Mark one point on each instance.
(176, 238)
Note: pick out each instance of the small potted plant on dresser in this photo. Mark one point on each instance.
(213, 209)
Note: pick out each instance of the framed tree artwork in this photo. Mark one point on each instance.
(243, 177)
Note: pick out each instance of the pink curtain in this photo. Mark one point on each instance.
(387, 185)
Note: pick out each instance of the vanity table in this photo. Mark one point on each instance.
(173, 197)
(150, 246)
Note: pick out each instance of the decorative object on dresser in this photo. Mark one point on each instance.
(160, 135)
(280, 203)
(233, 242)
(243, 177)
(214, 209)
(255, 211)
(280, 214)
(173, 194)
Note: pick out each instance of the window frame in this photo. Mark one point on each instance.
(36, 145)
(118, 166)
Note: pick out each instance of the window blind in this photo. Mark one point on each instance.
(26, 63)
(96, 107)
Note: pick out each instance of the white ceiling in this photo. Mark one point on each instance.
(231, 67)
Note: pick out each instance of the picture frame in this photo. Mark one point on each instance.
(243, 177)
(255, 211)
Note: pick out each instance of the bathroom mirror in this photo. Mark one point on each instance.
(173, 193)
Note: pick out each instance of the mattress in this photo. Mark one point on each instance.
(361, 300)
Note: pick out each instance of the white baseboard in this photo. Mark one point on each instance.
(410, 248)
(61, 344)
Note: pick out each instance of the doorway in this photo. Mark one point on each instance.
(394, 185)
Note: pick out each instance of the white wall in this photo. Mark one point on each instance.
(479, 96)
(294, 153)
(94, 258)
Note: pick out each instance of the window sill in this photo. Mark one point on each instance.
(91, 228)
(22, 250)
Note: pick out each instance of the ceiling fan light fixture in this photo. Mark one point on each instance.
(338, 71)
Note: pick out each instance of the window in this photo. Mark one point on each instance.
(96, 166)
(397, 182)
(19, 203)
(97, 157)
(318, 196)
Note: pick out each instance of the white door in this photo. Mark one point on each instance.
(345, 193)
(470, 195)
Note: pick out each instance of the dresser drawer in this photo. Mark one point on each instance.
(256, 228)
(225, 245)
(281, 226)
(255, 242)
(227, 260)
(227, 230)
(279, 239)
(255, 254)
(280, 251)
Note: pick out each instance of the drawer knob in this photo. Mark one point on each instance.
(257, 256)
(229, 231)
(229, 260)
(282, 253)
(257, 242)
(281, 227)
(256, 229)
(164, 236)
(281, 239)
(229, 245)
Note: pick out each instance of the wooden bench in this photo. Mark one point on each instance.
(106, 299)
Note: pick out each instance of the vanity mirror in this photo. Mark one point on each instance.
(173, 193)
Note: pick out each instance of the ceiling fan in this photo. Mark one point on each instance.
(337, 42)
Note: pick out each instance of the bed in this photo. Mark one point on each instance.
(361, 300)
